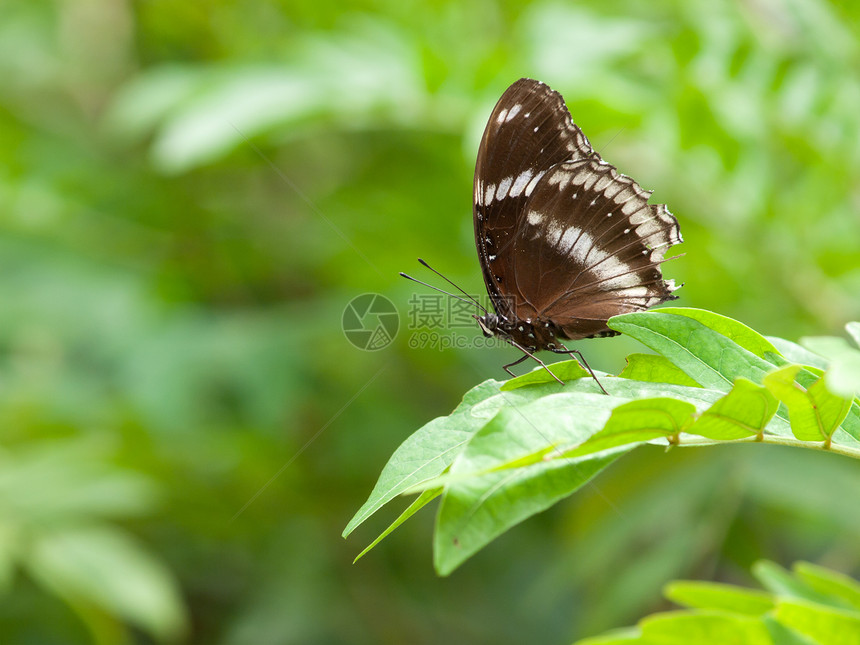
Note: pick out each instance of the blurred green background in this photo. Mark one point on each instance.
(192, 192)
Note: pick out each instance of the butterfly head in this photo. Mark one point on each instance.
(488, 323)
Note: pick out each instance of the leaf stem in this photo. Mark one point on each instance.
(777, 440)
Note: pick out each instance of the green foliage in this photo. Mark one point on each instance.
(637, 422)
(788, 612)
(191, 192)
(59, 500)
(510, 451)
(745, 411)
(654, 369)
(815, 412)
(843, 377)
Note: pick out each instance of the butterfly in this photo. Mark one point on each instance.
(565, 241)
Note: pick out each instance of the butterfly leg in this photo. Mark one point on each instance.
(527, 354)
(571, 352)
(516, 362)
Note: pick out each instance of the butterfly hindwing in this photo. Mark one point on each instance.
(588, 247)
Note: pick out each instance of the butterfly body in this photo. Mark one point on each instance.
(565, 241)
(532, 335)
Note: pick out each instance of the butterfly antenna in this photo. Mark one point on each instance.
(457, 287)
(447, 293)
(606, 145)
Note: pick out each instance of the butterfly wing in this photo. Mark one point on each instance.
(529, 132)
(588, 247)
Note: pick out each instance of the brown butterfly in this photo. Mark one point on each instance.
(565, 241)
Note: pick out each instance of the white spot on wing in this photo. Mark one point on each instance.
(648, 228)
(521, 182)
(513, 112)
(535, 218)
(504, 187)
(614, 267)
(553, 233)
(489, 193)
(502, 115)
(636, 292)
(631, 207)
(579, 246)
(531, 185)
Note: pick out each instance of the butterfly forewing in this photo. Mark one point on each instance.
(564, 239)
(529, 132)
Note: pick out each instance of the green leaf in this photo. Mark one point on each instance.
(843, 375)
(830, 347)
(420, 502)
(511, 450)
(429, 451)
(713, 595)
(637, 422)
(625, 636)
(565, 370)
(795, 353)
(475, 510)
(784, 635)
(853, 329)
(482, 501)
(814, 413)
(736, 331)
(705, 628)
(654, 369)
(723, 614)
(829, 582)
(53, 481)
(102, 565)
(823, 624)
(743, 412)
(620, 388)
(706, 355)
(780, 582)
(565, 417)
(851, 427)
